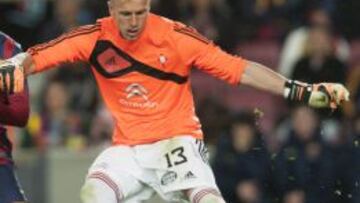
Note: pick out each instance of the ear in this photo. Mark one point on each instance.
(110, 6)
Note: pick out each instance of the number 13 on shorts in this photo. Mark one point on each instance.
(185, 167)
(175, 157)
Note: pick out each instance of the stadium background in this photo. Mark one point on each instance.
(280, 153)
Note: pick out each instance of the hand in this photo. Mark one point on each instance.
(11, 78)
(325, 95)
(321, 95)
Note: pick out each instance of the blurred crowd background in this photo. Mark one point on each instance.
(262, 149)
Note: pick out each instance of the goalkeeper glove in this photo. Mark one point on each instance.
(11, 77)
(321, 95)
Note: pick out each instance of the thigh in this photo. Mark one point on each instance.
(142, 196)
(10, 190)
(179, 164)
(117, 167)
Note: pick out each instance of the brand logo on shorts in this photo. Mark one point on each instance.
(168, 177)
(137, 97)
(189, 175)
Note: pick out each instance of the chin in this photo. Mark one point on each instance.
(132, 38)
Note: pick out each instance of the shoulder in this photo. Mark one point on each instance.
(4, 36)
(82, 31)
(164, 27)
(105, 23)
(6, 42)
(161, 27)
(189, 32)
(86, 29)
(83, 36)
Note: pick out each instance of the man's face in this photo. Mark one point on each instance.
(130, 16)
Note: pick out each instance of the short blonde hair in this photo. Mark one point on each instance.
(123, 0)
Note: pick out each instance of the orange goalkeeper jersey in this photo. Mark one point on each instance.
(144, 83)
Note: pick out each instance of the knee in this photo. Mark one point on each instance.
(88, 192)
(98, 190)
(211, 198)
(206, 196)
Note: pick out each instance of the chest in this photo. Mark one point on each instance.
(112, 60)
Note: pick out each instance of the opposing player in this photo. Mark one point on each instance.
(14, 110)
(142, 63)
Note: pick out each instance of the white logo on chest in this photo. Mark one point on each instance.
(134, 91)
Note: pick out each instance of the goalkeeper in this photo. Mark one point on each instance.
(14, 110)
(141, 62)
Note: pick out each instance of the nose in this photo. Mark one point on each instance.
(133, 21)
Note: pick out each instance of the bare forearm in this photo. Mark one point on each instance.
(261, 77)
(29, 65)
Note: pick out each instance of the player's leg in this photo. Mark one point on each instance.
(204, 195)
(209, 193)
(100, 187)
(10, 190)
(97, 189)
(110, 178)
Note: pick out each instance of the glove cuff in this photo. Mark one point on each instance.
(18, 60)
(295, 91)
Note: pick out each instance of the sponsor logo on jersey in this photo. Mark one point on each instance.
(137, 97)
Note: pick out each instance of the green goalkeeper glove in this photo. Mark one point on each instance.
(321, 95)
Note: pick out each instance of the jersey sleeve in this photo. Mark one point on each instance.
(75, 45)
(197, 51)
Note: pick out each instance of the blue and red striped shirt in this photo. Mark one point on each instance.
(15, 113)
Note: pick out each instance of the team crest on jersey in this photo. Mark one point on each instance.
(113, 62)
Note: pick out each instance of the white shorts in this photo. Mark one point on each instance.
(166, 167)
